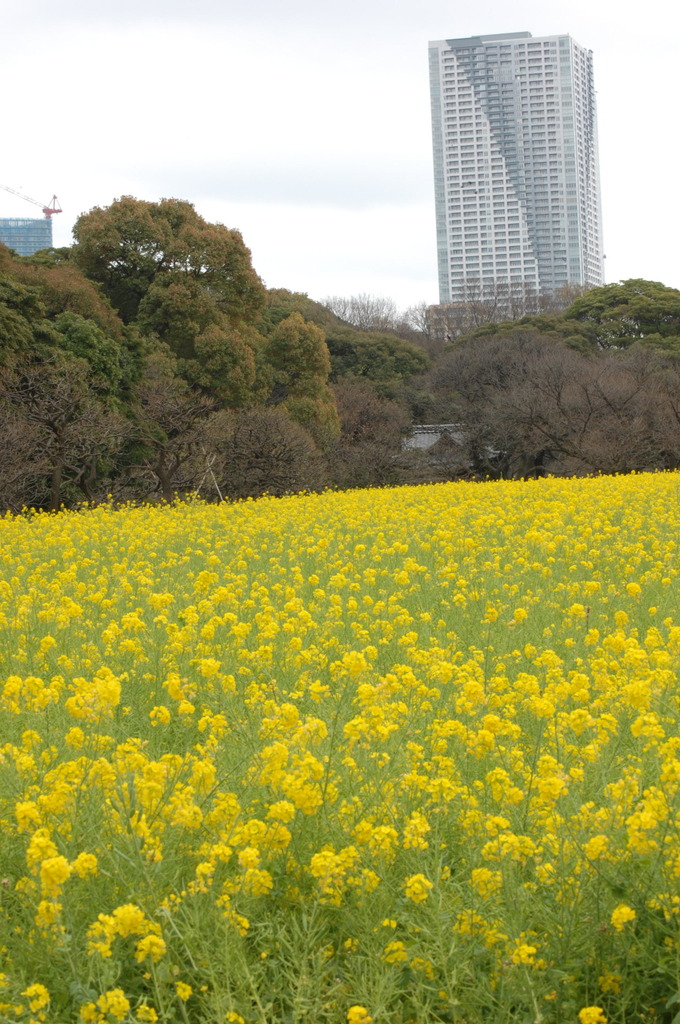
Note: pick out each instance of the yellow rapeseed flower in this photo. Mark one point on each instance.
(592, 1015)
(358, 1015)
(621, 916)
(417, 888)
(38, 997)
(183, 990)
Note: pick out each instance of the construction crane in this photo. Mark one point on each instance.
(49, 211)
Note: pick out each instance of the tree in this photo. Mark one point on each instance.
(417, 326)
(126, 246)
(366, 312)
(70, 437)
(61, 311)
(177, 308)
(22, 322)
(484, 304)
(85, 340)
(23, 469)
(62, 382)
(613, 316)
(495, 308)
(297, 352)
(574, 334)
(482, 386)
(384, 359)
(667, 408)
(185, 282)
(417, 318)
(226, 364)
(63, 288)
(267, 452)
(619, 422)
(176, 434)
(370, 442)
(280, 303)
(633, 310)
(211, 351)
(528, 405)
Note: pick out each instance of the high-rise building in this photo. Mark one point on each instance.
(26, 235)
(515, 163)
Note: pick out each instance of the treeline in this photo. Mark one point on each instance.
(148, 360)
(594, 388)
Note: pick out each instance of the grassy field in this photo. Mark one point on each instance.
(407, 755)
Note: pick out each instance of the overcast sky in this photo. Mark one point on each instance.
(306, 124)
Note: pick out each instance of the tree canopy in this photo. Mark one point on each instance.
(380, 356)
(612, 316)
(297, 353)
(635, 310)
(63, 288)
(384, 359)
(48, 309)
(127, 245)
(149, 360)
(180, 280)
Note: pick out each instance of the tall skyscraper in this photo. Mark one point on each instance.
(515, 162)
(26, 235)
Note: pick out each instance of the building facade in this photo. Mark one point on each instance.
(26, 235)
(517, 187)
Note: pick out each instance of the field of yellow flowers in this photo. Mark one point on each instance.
(406, 755)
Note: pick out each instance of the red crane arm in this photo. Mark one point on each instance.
(47, 210)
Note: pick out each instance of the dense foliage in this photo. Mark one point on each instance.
(531, 405)
(614, 316)
(130, 363)
(125, 360)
